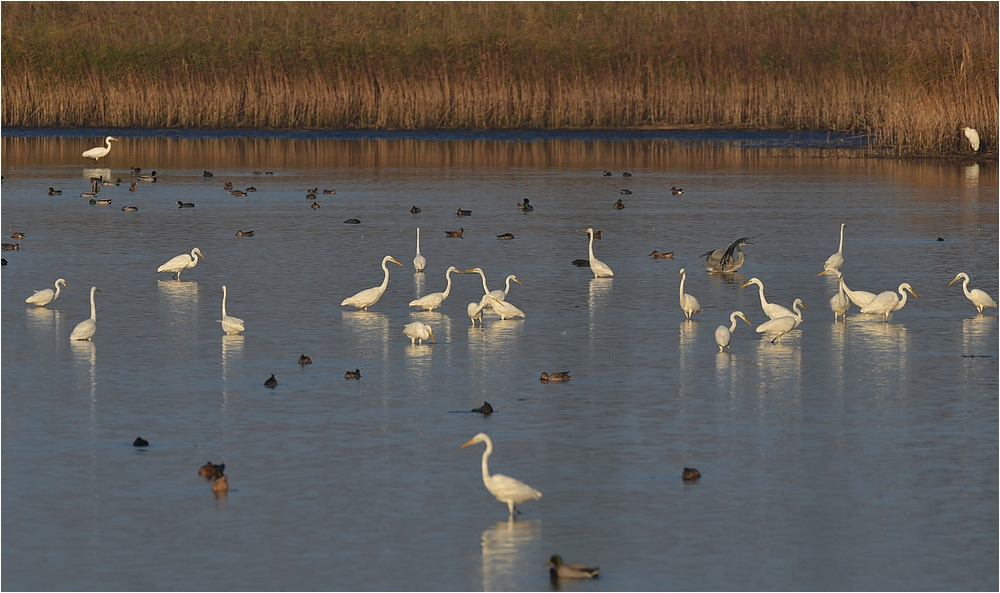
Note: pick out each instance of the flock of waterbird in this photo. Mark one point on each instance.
(505, 489)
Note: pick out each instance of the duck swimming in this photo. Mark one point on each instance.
(228, 186)
(271, 382)
(329, 191)
(464, 212)
(626, 192)
(101, 202)
(455, 234)
(658, 255)
(10, 246)
(560, 570)
(17, 236)
(486, 409)
(130, 208)
(414, 210)
(181, 204)
(220, 485)
(555, 377)
(676, 191)
(355, 374)
(239, 193)
(211, 471)
(314, 205)
(505, 236)
(305, 360)
(242, 233)
(151, 178)
(619, 205)
(55, 192)
(690, 474)
(134, 186)
(525, 206)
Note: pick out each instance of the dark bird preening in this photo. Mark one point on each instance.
(505, 236)
(690, 474)
(355, 374)
(555, 377)
(209, 471)
(658, 255)
(305, 360)
(414, 210)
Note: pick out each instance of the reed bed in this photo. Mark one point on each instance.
(908, 75)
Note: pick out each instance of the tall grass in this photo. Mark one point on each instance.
(908, 74)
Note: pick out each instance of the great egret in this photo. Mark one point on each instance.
(418, 332)
(433, 300)
(419, 261)
(599, 268)
(689, 304)
(724, 334)
(475, 310)
(86, 328)
(46, 295)
(970, 133)
(181, 262)
(505, 309)
(726, 260)
(501, 295)
(887, 302)
(505, 489)
(782, 325)
(100, 151)
(858, 297)
(772, 310)
(839, 303)
(836, 260)
(367, 298)
(555, 377)
(561, 570)
(979, 298)
(230, 325)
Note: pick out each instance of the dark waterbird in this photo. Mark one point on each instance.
(305, 360)
(206, 174)
(55, 192)
(626, 192)
(210, 471)
(272, 382)
(560, 570)
(658, 255)
(506, 236)
(581, 263)
(690, 474)
(486, 409)
(140, 442)
(525, 206)
(726, 260)
(414, 210)
(455, 234)
(555, 377)
(242, 233)
(355, 374)
(181, 204)
(619, 205)
(352, 221)
(464, 212)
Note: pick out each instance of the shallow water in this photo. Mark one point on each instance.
(849, 456)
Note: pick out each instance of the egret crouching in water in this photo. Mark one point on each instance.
(724, 334)
(86, 328)
(46, 295)
(230, 325)
(887, 302)
(782, 325)
(979, 298)
(505, 489)
(181, 262)
(689, 304)
(368, 297)
(418, 332)
(505, 309)
(475, 310)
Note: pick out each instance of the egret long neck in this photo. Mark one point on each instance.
(486, 456)
(485, 288)
(506, 287)
(841, 250)
(902, 301)
(224, 302)
(965, 288)
(93, 308)
(763, 301)
(385, 280)
(58, 288)
(683, 278)
(732, 327)
(418, 241)
(447, 289)
(591, 248)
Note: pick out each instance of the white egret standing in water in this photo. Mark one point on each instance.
(432, 301)
(979, 298)
(86, 328)
(419, 261)
(599, 268)
(368, 297)
(418, 332)
(858, 297)
(230, 325)
(46, 295)
(724, 334)
(505, 309)
(839, 303)
(689, 304)
(772, 310)
(501, 295)
(475, 310)
(181, 262)
(782, 325)
(505, 489)
(836, 260)
(887, 302)
(100, 151)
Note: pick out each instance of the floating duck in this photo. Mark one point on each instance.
(314, 190)
(211, 471)
(464, 212)
(151, 178)
(271, 382)
(626, 174)
(525, 206)
(486, 409)
(10, 246)
(220, 485)
(228, 186)
(17, 236)
(352, 221)
(101, 202)
(455, 234)
(181, 204)
(626, 192)
(329, 191)
(690, 474)
(506, 236)
(560, 570)
(251, 189)
(305, 360)
(207, 174)
(140, 442)
(242, 233)
(676, 191)
(658, 255)
(607, 173)
(355, 374)
(109, 182)
(136, 170)
(314, 205)
(89, 194)
(310, 196)
(414, 210)
(555, 377)
(239, 193)
(55, 192)
(619, 205)
(130, 208)
(134, 186)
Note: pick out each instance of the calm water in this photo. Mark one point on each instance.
(857, 456)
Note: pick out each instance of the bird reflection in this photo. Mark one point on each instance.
(600, 289)
(508, 552)
(180, 298)
(371, 332)
(42, 318)
(232, 352)
(725, 372)
(779, 367)
(883, 347)
(97, 172)
(419, 279)
(979, 335)
(972, 175)
(838, 338)
(688, 337)
(85, 357)
(717, 280)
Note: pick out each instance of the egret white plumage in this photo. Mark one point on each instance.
(858, 297)
(505, 309)
(418, 332)
(486, 289)
(419, 261)
(475, 310)
(432, 301)
(839, 303)
(772, 310)
(599, 268)
(181, 262)
(86, 328)
(99, 151)
(782, 325)
(46, 295)
(887, 302)
(973, 137)
(504, 488)
(978, 297)
(501, 295)
(368, 297)
(724, 334)
(689, 304)
(836, 260)
(230, 325)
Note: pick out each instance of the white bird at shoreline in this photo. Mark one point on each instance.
(99, 151)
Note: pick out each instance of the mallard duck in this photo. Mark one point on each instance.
(310, 196)
(658, 255)
(181, 204)
(626, 174)
(329, 191)
(207, 174)
(486, 409)
(220, 485)
(251, 189)
(555, 377)
(626, 192)
(211, 471)
(464, 212)
(314, 190)
(305, 360)
(140, 442)
(676, 191)
(55, 192)
(414, 210)
(130, 208)
(89, 194)
(352, 221)
(455, 234)
(355, 374)
(560, 570)
(271, 382)
(10, 246)
(242, 233)
(314, 205)
(110, 182)
(525, 206)
(506, 236)
(227, 186)
(101, 202)
(134, 186)
(239, 193)
(136, 170)
(151, 178)
(17, 236)
(619, 205)
(607, 173)
(690, 474)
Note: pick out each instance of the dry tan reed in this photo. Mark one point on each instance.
(907, 74)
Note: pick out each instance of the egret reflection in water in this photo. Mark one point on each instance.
(509, 548)
(370, 330)
(92, 172)
(42, 319)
